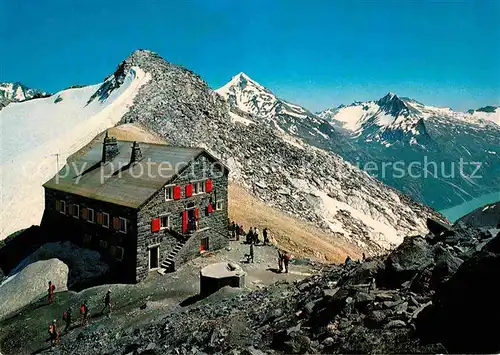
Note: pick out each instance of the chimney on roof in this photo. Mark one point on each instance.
(109, 148)
(136, 152)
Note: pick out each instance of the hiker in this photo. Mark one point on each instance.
(250, 235)
(256, 235)
(51, 290)
(233, 230)
(242, 232)
(286, 260)
(67, 319)
(372, 285)
(53, 333)
(237, 231)
(251, 252)
(280, 261)
(348, 260)
(84, 311)
(266, 237)
(364, 257)
(107, 303)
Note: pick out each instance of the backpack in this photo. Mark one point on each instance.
(287, 257)
(83, 309)
(52, 288)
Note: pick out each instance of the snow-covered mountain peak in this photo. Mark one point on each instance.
(250, 102)
(393, 105)
(17, 92)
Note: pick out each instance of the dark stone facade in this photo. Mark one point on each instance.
(211, 225)
(139, 237)
(79, 231)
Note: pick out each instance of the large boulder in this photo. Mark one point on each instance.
(408, 259)
(30, 284)
(465, 308)
(363, 273)
(84, 264)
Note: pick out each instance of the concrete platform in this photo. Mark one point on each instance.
(215, 276)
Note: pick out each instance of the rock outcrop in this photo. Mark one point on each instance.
(30, 284)
(84, 264)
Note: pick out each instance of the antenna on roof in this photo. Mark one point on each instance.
(57, 166)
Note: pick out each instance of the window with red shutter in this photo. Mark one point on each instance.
(208, 185)
(184, 221)
(155, 225)
(116, 223)
(209, 208)
(177, 192)
(189, 190)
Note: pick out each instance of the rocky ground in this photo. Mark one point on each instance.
(144, 303)
(433, 294)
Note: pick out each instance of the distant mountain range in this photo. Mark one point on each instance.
(17, 92)
(428, 143)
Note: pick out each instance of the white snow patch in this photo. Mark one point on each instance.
(385, 235)
(33, 131)
(321, 133)
(237, 118)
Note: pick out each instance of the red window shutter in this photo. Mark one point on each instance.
(208, 185)
(177, 192)
(189, 190)
(116, 223)
(184, 221)
(210, 209)
(196, 213)
(84, 213)
(99, 217)
(155, 225)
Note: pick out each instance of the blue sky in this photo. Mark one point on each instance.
(315, 53)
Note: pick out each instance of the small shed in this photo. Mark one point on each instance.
(215, 276)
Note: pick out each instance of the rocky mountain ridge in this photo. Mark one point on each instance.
(285, 172)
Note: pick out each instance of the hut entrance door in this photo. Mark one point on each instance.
(153, 257)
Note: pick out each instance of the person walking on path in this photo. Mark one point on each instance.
(107, 303)
(237, 232)
(251, 252)
(280, 261)
(84, 311)
(286, 260)
(53, 333)
(51, 291)
(266, 237)
(67, 319)
(256, 235)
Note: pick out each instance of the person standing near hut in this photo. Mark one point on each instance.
(251, 252)
(286, 260)
(266, 237)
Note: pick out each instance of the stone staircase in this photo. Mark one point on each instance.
(168, 265)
